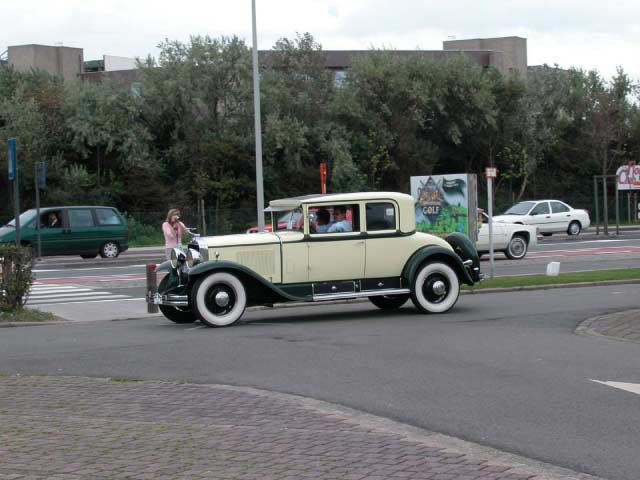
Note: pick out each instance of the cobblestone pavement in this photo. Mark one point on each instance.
(76, 428)
(621, 325)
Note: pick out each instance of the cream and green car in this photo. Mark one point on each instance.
(321, 247)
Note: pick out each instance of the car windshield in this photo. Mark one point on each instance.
(291, 220)
(25, 218)
(521, 208)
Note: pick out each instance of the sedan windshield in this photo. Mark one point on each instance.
(521, 208)
(25, 218)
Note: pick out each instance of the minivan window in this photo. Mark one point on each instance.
(25, 218)
(80, 217)
(107, 217)
(381, 216)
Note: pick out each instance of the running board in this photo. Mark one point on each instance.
(368, 293)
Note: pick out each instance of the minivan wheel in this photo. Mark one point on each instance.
(109, 250)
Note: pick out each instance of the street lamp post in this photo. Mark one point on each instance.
(258, 128)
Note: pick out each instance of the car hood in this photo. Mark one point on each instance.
(240, 239)
(506, 218)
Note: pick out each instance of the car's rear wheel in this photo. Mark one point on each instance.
(517, 248)
(389, 302)
(574, 228)
(110, 250)
(175, 314)
(435, 288)
(218, 299)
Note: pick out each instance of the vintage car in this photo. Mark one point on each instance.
(377, 254)
(514, 239)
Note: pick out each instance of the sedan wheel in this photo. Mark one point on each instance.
(218, 299)
(389, 302)
(109, 250)
(574, 228)
(435, 288)
(517, 248)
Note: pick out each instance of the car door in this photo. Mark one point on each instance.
(81, 232)
(540, 216)
(385, 255)
(560, 215)
(53, 239)
(499, 232)
(336, 254)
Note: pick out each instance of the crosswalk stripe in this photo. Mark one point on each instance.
(110, 299)
(95, 298)
(88, 293)
(58, 291)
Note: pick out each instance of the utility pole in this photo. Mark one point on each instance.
(258, 127)
(13, 177)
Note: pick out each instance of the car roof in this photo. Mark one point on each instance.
(294, 202)
(75, 206)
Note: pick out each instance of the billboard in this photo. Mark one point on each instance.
(628, 177)
(443, 203)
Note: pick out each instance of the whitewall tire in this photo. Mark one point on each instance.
(218, 299)
(517, 248)
(435, 288)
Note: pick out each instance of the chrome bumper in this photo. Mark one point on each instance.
(155, 298)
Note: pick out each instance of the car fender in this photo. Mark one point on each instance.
(259, 291)
(433, 252)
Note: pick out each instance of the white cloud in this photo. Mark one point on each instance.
(582, 33)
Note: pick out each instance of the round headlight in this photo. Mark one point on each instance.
(193, 257)
(177, 257)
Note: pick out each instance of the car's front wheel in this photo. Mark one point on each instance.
(574, 228)
(517, 248)
(389, 302)
(109, 250)
(218, 299)
(435, 288)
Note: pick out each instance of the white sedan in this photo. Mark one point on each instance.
(512, 239)
(549, 216)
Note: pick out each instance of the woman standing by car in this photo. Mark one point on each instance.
(173, 229)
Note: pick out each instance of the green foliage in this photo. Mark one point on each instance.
(143, 235)
(16, 264)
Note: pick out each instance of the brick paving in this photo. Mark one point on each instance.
(73, 428)
(620, 325)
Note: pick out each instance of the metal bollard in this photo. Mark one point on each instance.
(152, 287)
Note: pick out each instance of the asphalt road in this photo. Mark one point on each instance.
(504, 370)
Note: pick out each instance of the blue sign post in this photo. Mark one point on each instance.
(13, 177)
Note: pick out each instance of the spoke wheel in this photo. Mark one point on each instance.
(218, 299)
(517, 248)
(435, 288)
(109, 250)
(389, 302)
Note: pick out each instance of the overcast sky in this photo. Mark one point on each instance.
(588, 34)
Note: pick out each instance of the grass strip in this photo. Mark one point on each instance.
(578, 277)
(27, 315)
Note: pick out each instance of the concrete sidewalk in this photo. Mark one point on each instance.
(621, 326)
(72, 428)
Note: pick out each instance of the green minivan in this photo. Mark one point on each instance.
(85, 231)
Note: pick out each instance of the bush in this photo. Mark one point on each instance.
(16, 277)
(142, 235)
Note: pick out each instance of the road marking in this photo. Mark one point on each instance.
(628, 387)
(97, 301)
(91, 268)
(58, 294)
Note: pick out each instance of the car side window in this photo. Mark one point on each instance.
(107, 217)
(80, 217)
(540, 209)
(557, 207)
(381, 216)
(51, 219)
(334, 219)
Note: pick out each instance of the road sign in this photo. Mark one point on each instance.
(12, 159)
(490, 172)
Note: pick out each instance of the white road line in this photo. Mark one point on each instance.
(628, 387)
(91, 268)
(94, 301)
(65, 295)
(58, 293)
(95, 298)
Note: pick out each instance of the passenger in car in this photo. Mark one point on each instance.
(53, 221)
(322, 223)
(340, 224)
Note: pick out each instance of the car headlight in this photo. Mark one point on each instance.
(177, 257)
(193, 257)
